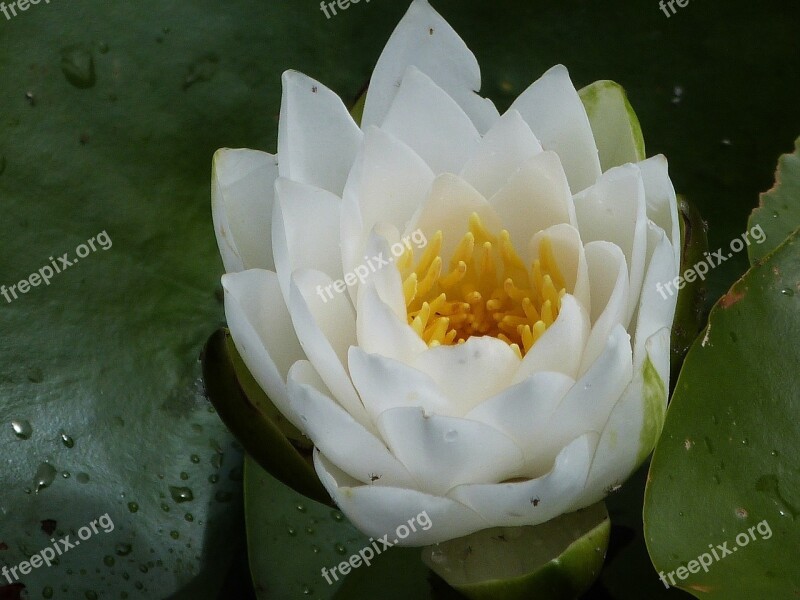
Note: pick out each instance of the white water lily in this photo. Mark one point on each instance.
(514, 369)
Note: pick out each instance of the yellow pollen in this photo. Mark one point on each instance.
(486, 289)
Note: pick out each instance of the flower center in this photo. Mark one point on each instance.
(486, 290)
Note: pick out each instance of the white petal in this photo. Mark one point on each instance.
(304, 230)
(537, 500)
(448, 208)
(656, 308)
(522, 412)
(423, 39)
(387, 185)
(534, 198)
(345, 442)
(556, 115)
(443, 452)
(570, 257)
(326, 329)
(317, 137)
(384, 383)
(242, 195)
(262, 332)
(379, 511)
(381, 331)
(608, 275)
(423, 116)
(614, 210)
(508, 145)
(662, 203)
(634, 425)
(561, 347)
(470, 372)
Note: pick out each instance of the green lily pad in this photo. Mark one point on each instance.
(557, 560)
(725, 471)
(778, 213)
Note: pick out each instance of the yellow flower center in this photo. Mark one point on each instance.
(486, 290)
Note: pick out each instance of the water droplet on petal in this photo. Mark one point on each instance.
(22, 429)
(77, 64)
(45, 475)
(181, 494)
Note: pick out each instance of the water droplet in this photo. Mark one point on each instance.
(184, 476)
(310, 530)
(726, 142)
(195, 459)
(189, 517)
(181, 494)
(340, 549)
(451, 436)
(745, 442)
(307, 590)
(315, 549)
(109, 561)
(22, 429)
(438, 557)
(67, 441)
(337, 516)
(301, 508)
(77, 64)
(66, 475)
(47, 592)
(165, 507)
(291, 531)
(774, 453)
(174, 535)
(82, 478)
(787, 292)
(769, 485)
(677, 94)
(123, 549)
(45, 475)
(133, 507)
(216, 461)
(143, 568)
(213, 478)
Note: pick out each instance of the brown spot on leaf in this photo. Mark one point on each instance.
(49, 526)
(11, 592)
(731, 298)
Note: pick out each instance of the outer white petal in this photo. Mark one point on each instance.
(553, 109)
(423, 116)
(561, 347)
(448, 208)
(470, 372)
(570, 256)
(443, 452)
(241, 205)
(262, 332)
(304, 230)
(534, 198)
(538, 500)
(662, 203)
(614, 210)
(523, 412)
(423, 39)
(317, 138)
(508, 145)
(326, 329)
(608, 275)
(338, 435)
(387, 185)
(634, 425)
(379, 511)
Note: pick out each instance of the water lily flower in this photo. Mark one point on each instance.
(512, 369)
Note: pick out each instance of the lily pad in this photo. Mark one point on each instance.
(724, 482)
(778, 212)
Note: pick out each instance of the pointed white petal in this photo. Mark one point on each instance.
(380, 511)
(423, 39)
(570, 257)
(662, 203)
(317, 138)
(537, 500)
(242, 195)
(443, 452)
(381, 331)
(346, 443)
(507, 146)
(555, 113)
(262, 332)
(423, 116)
